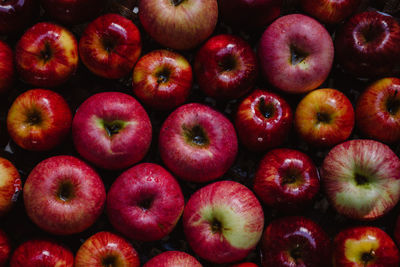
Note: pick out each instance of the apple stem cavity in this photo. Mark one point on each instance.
(393, 104)
(196, 136)
(297, 55)
(163, 76)
(146, 204)
(46, 54)
(227, 63)
(266, 110)
(323, 117)
(108, 44)
(177, 2)
(113, 127)
(109, 261)
(65, 191)
(34, 118)
(360, 179)
(296, 253)
(371, 33)
(216, 226)
(368, 257)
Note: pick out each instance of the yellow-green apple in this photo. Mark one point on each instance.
(378, 111)
(162, 79)
(110, 46)
(226, 67)
(10, 185)
(16, 15)
(330, 11)
(46, 55)
(145, 202)
(179, 24)
(112, 130)
(364, 246)
(295, 241)
(367, 44)
(63, 195)
(223, 222)
(263, 120)
(5, 248)
(173, 259)
(361, 179)
(197, 143)
(324, 117)
(39, 120)
(106, 249)
(6, 67)
(296, 53)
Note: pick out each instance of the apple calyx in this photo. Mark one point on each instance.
(177, 2)
(34, 117)
(361, 179)
(323, 117)
(290, 177)
(372, 32)
(113, 127)
(267, 110)
(196, 136)
(367, 257)
(227, 63)
(297, 55)
(146, 203)
(163, 75)
(109, 261)
(393, 104)
(65, 191)
(46, 54)
(108, 44)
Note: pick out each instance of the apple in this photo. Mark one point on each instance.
(5, 248)
(295, 241)
(286, 179)
(110, 46)
(16, 15)
(6, 67)
(367, 44)
(197, 143)
(330, 11)
(223, 222)
(111, 130)
(162, 79)
(226, 67)
(324, 118)
(263, 120)
(179, 24)
(364, 246)
(379, 105)
(145, 202)
(296, 53)
(63, 195)
(106, 249)
(37, 252)
(245, 264)
(173, 259)
(10, 185)
(361, 179)
(39, 120)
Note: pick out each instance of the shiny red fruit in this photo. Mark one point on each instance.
(16, 15)
(7, 74)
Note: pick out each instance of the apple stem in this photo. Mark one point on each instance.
(177, 2)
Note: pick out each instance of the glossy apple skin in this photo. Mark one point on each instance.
(223, 222)
(197, 143)
(379, 105)
(324, 118)
(10, 185)
(286, 179)
(109, 247)
(226, 67)
(39, 120)
(375, 57)
(63, 195)
(112, 130)
(173, 259)
(16, 15)
(361, 179)
(5, 248)
(350, 245)
(162, 79)
(183, 26)
(7, 74)
(297, 235)
(263, 120)
(145, 202)
(301, 35)
(330, 11)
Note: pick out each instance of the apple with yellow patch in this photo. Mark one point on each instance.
(10, 185)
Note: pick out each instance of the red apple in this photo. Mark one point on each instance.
(197, 143)
(330, 11)
(106, 249)
(63, 195)
(46, 55)
(245, 264)
(10, 185)
(39, 120)
(223, 222)
(5, 248)
(179, 24)
(16, 15)
(162, 79)
(111, 130)
(397, 231)
(6, 67)
(324, 117)
(296, 53)
(295, 241)
(145, 202)
(364, 246)
(173, 259)
(110, 46)
(263, 121)
(226, 67)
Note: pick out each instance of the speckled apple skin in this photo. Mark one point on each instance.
(173, 259)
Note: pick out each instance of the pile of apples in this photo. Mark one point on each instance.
(199, 133)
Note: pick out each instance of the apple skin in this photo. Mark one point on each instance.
(177, 24)
(223, 222)
(16, 15)
(245, 264)
(295, 241)
(367, 44)
(10, 185)
(379, 105)
(173, 259)
(364, 246)
(286, 179)
(330, 11)
(162, 79)
(324, 118)
(5, 248)
(296, 53)
(226, 67)
(145, 202)
(7, 74)
(63, 195)
(110, 46)
(197, 143)
(39, 120)
(111, 130)
(106, 248)
(361, 179)
(263, 120)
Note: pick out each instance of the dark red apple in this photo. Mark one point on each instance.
(5, 248)
(6, 67)
(397, 231)
(16, 15)
(10, 185)
(173, 259)
(330, 11)
(245, 264)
